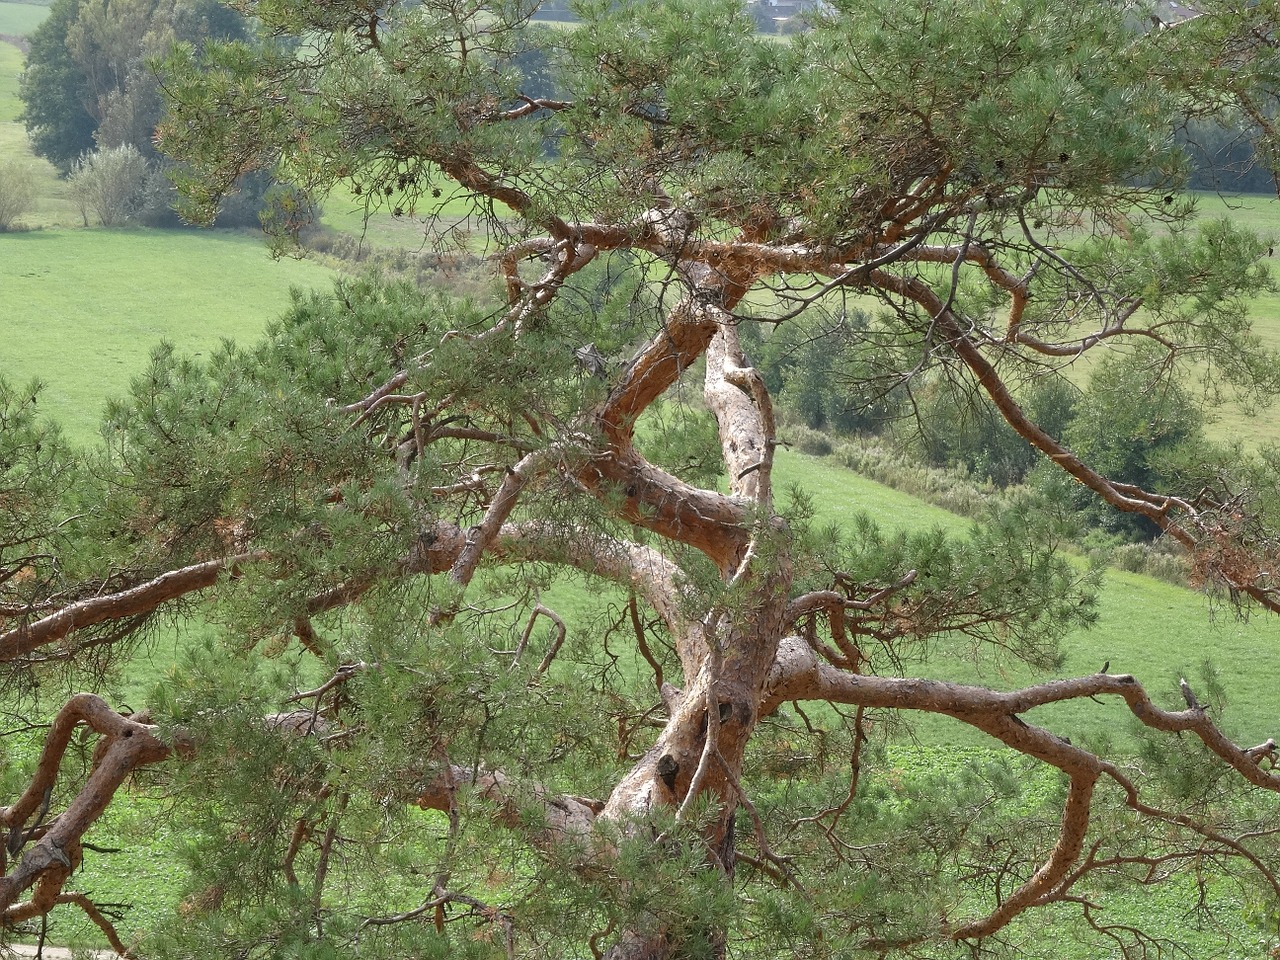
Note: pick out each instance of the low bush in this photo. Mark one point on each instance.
(17, 192)
(956, 490)
(462, 275)
(952, 488)
(111, 183)
(1161, 559)
(807, 440)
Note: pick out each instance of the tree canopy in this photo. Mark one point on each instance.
(515, 647)
(87, 82)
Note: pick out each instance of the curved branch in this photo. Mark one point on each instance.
(820, 600)
(1131, 500)
(684, 337)
(1075, 824)
(126, 745)
(31, 909)
(140, 599)
(479, 538)
(653, 499)
(798, 674)
(743, 410)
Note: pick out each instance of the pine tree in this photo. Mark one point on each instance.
(633, 696)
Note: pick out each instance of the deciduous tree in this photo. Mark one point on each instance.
(87, 81)
(391, 486)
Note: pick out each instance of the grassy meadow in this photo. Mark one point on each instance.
(19, 19)
(82, 309)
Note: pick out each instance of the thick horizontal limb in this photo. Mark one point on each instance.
(799, 675)
(133, 601)
(638, 567)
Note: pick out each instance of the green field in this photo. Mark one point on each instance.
(346, 213)
(10, 67)
(19, 19)
(82, 309)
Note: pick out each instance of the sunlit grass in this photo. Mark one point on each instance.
(19, 19)
(82, 309)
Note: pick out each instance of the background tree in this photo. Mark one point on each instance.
(55, 92)
(1133, 428)
(87, 82)
(383, 493)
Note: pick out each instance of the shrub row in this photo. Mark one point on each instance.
(955, 489)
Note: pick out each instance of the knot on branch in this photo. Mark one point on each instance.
(1188, 695)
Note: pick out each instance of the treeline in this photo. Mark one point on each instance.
(1128, 417)
(1223, 158)
(92, 102)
